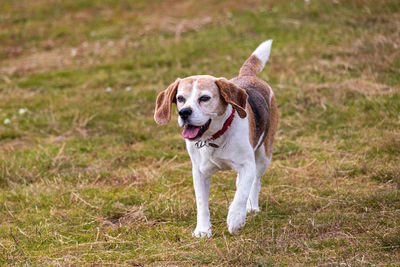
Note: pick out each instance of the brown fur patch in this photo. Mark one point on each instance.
(162, 114)
(252, 126)
(273, 125)
(251, 66)
(259, 103)
(233, 95)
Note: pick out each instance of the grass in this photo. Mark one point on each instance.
(87, 177)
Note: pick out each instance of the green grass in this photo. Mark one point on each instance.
(87, 177)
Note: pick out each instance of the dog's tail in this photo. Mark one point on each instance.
(256, 62)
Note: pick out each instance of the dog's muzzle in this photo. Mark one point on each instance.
(193, 132)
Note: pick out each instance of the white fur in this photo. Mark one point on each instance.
(235, 152)
(271, 94)
(262, 52)
(262, 163)
(260, 140)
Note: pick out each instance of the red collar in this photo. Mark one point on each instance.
(225, 127)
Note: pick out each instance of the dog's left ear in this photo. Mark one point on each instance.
(162, 114)
(233, 95)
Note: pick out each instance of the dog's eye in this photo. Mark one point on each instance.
(204, 98)
(180, 99)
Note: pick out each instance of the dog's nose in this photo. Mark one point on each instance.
(185, 113)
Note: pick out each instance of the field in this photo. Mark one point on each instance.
(88, 178)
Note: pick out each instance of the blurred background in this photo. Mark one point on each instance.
(86, 176)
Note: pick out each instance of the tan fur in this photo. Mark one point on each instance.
(252, 126)
(186, 84)
(251, 66)
(273, 125)
(254, 83)
(162, 114)
(233, 95)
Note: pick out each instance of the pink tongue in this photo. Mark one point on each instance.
(190, 132)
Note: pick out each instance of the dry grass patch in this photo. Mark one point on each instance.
(176, 17)
(359, 86)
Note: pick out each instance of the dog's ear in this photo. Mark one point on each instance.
(162, 114)
(233, 95)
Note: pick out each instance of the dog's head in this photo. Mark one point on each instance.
(202, 103)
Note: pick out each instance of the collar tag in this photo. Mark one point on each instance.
(213, 145)
(200, 144)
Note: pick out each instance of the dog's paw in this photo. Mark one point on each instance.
(252, 208)
(236, 219)
(201, 233)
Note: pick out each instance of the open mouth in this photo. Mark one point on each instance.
(192, 132)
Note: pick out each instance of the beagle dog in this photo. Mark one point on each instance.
(227, 124)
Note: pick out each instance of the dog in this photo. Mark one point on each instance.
(227, 124)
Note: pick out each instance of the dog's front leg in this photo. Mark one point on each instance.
(201, 184)
(237, 210)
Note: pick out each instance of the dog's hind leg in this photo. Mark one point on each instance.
(263, 156)
(262, 163)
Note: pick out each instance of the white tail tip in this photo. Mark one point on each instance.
(263, 51)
